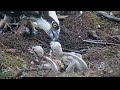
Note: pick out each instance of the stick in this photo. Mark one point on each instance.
(47, 73)
(76, 51)
(99, 42)
(42, 42)
(104, 14)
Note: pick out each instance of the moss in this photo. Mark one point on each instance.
(7, 74)
(12, 61)
(10, 64)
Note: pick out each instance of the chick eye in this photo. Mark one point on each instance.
(33, 48)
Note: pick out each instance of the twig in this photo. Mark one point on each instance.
(71, 50)
(104, 14)
(99, 42)
(47, 73)
(42, 42)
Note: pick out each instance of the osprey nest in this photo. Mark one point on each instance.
(86, 34)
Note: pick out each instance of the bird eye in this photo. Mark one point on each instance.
(54, 25)
(33, 48)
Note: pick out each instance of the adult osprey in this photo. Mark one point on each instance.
(46, 20)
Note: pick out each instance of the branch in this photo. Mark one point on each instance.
(99, 42)
(104, 14)
(76, 51)
(41, 42)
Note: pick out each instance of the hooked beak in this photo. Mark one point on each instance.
(30, 50)
(54, 34)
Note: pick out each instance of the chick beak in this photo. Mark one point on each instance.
(30, 50)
